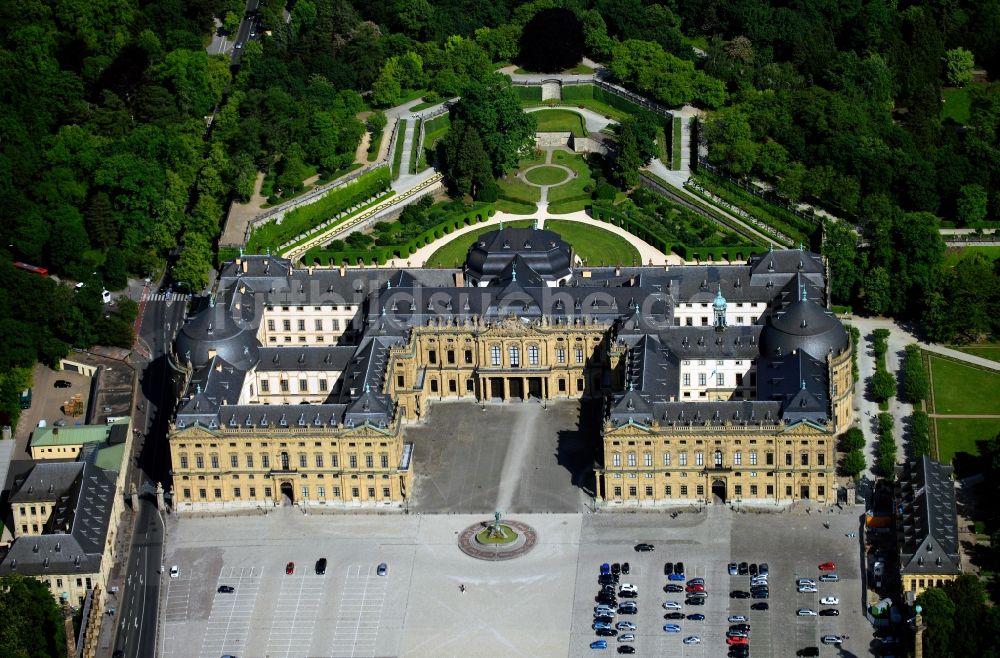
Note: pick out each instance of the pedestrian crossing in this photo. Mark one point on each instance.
(165, 297)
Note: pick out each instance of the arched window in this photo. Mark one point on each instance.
(514, 353)
(495, 355)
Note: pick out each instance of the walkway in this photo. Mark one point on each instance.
(405, 179)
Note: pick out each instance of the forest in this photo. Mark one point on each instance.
(122, 141)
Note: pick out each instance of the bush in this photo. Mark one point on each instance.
(920, 435)
(852, 439)
(881, 342)
(853, 464)
(855, 339)
(885, 424)
(605, 191)
(883, 385)
(915, 380)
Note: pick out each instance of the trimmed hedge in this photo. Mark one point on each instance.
(528, 93)
(384, 253)
(915, 379)
(577, 92)
(303, 219)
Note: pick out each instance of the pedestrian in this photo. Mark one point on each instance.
(461, 588)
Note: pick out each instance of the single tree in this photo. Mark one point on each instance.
(853, 464)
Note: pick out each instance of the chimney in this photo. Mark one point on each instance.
(343, 269)
(244, 266)
(459, 279)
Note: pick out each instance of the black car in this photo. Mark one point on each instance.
(62, 383)
(626, 568)
(668, 568)
(760, 594)
(607, 632)
(753, 569)
(754, 588)
(829, 612)
(671, 587)
(607, 579)
(616, 568)
(607, 600)
(604, 618)
(644, 548)
(739, 651)
(628, 594)
(628, 611)
(743, 569)
(679, 567)
(674, 615)
(739, 594)
(226, 589)
(740, 627)
(608, 588)
(763, 569)
(626, 648)
(808, 651)
(695, 601)
(321, 566)
(761, 605)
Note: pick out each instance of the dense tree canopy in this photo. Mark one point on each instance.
(552, 41)
(33, 625)
(492, 108)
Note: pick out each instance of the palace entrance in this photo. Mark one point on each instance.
(535, 387)
(496, 388)
(516, 388)
(287, 494)
(719, 491)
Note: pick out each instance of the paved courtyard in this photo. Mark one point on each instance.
(515, 457)
(537, 605)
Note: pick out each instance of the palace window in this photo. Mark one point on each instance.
(618, 492)
(753, 490)
(184, 464)
(270, 325)
(701, 490)
(699, 458)
(720, 379)
(234, 460)
(687, 379)
(334, 461)
(495, 355)
(335, 324)
(683, 458)
(738, 489)
(616, 459)
(321, 492)
(302, 325)
(667, 491)
(684, 490)
(560, 355)
(631, 459)
(385, 461)
(302, 461)
(386, 493)
(514, 353)
(451, 356)
(303, 385)
(305, 492)
(632, 491)
(821, 459)
(249, 461)
(432, 356)
(236, 492)
(702, 379)
(804, 457)
(265, 386)
(533, 355)
(788, 459)
(579, 355)
(770, 459)
(319, 325)
(199, 461)
(647, 459)
(354, 461)
(322, 385)
(666, 459)
(718, 458)
(265, 461)
(371, 493)
(468, 356)
(283, 384)
(737, 458)
(369, 461)
(286, 325)
(215, 461)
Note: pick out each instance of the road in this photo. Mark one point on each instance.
(135, 632)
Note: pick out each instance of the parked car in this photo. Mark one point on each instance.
(625, 626)
(626, 568)
(226, 589)
(760, 605)
(739, 651)
(807, 589)
(671, 605)
(625, 609)
(806, 612)
(733, 569)
(601, 624)
(696, 617)
(736, 633)
(831, 639)
(828, 566)
(606, 632)
(644, 548)
(616, 568)
(629, 594)
(627, 637)
(753, 569)
(674, 615)
(679, 567)
(805, 581)
(740, 627)
(739, 594)
(175, 571)
(697, 595)
(605, 569)
(672, 628)
(668, 568)
(694, 601)
(604, 618)
(737, 619)
(670, 587)
(321, 566)
(676, 576)
(743, 569)
(830, 600)
(626, 648)
(692, 639)
(829, 578)
(608, 579)
(737, 640)
(695, 588)
(829, 612)
(808, 651)
(599, 644)
(760, 594)
(290, 568)
(629, 587)
(62, 383)
(605, 610)
(763, 569)
(696, 581)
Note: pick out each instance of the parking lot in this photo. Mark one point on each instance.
(540, 604)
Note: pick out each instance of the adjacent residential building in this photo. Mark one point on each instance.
(55, 442)
(66, 518)
(297, 384)
(927, 525)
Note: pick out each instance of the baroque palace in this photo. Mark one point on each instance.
(724, 380)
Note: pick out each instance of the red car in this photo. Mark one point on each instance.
(290, 568)
(695, 588)
(731, 641)
(828, 566)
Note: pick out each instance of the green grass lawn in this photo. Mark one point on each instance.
(571, 196)
(434, 130)
(536, 158)
(397, 155)
(675, 144)
(546, 175)
(956, 105)
(956, 435)
(595, 245)
(989, 351)
(452, 253)
(518, 189)
(962, 389)
(560, 121)
(953, 255)
(415, 153)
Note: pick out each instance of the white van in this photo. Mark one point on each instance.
(106, 296)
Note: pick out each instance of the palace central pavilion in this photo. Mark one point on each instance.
(718, 380)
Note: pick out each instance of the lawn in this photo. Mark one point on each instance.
(571, 196)
(415, 154)
(675, 144)
(515, 188)
(434, 130)
(963, 389)
(989, 351)
(955, 435)
(953, 255)
(560, 121)
(595, 245)
(956, 105)
(546, 175)
(452, 254)
(397, 155)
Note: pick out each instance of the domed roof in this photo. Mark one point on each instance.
(226, 330)
(543, 251)
(806, 326)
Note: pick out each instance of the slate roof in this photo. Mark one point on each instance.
(540, 251)
(305, 359)
(927, 518)
(84, 496)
